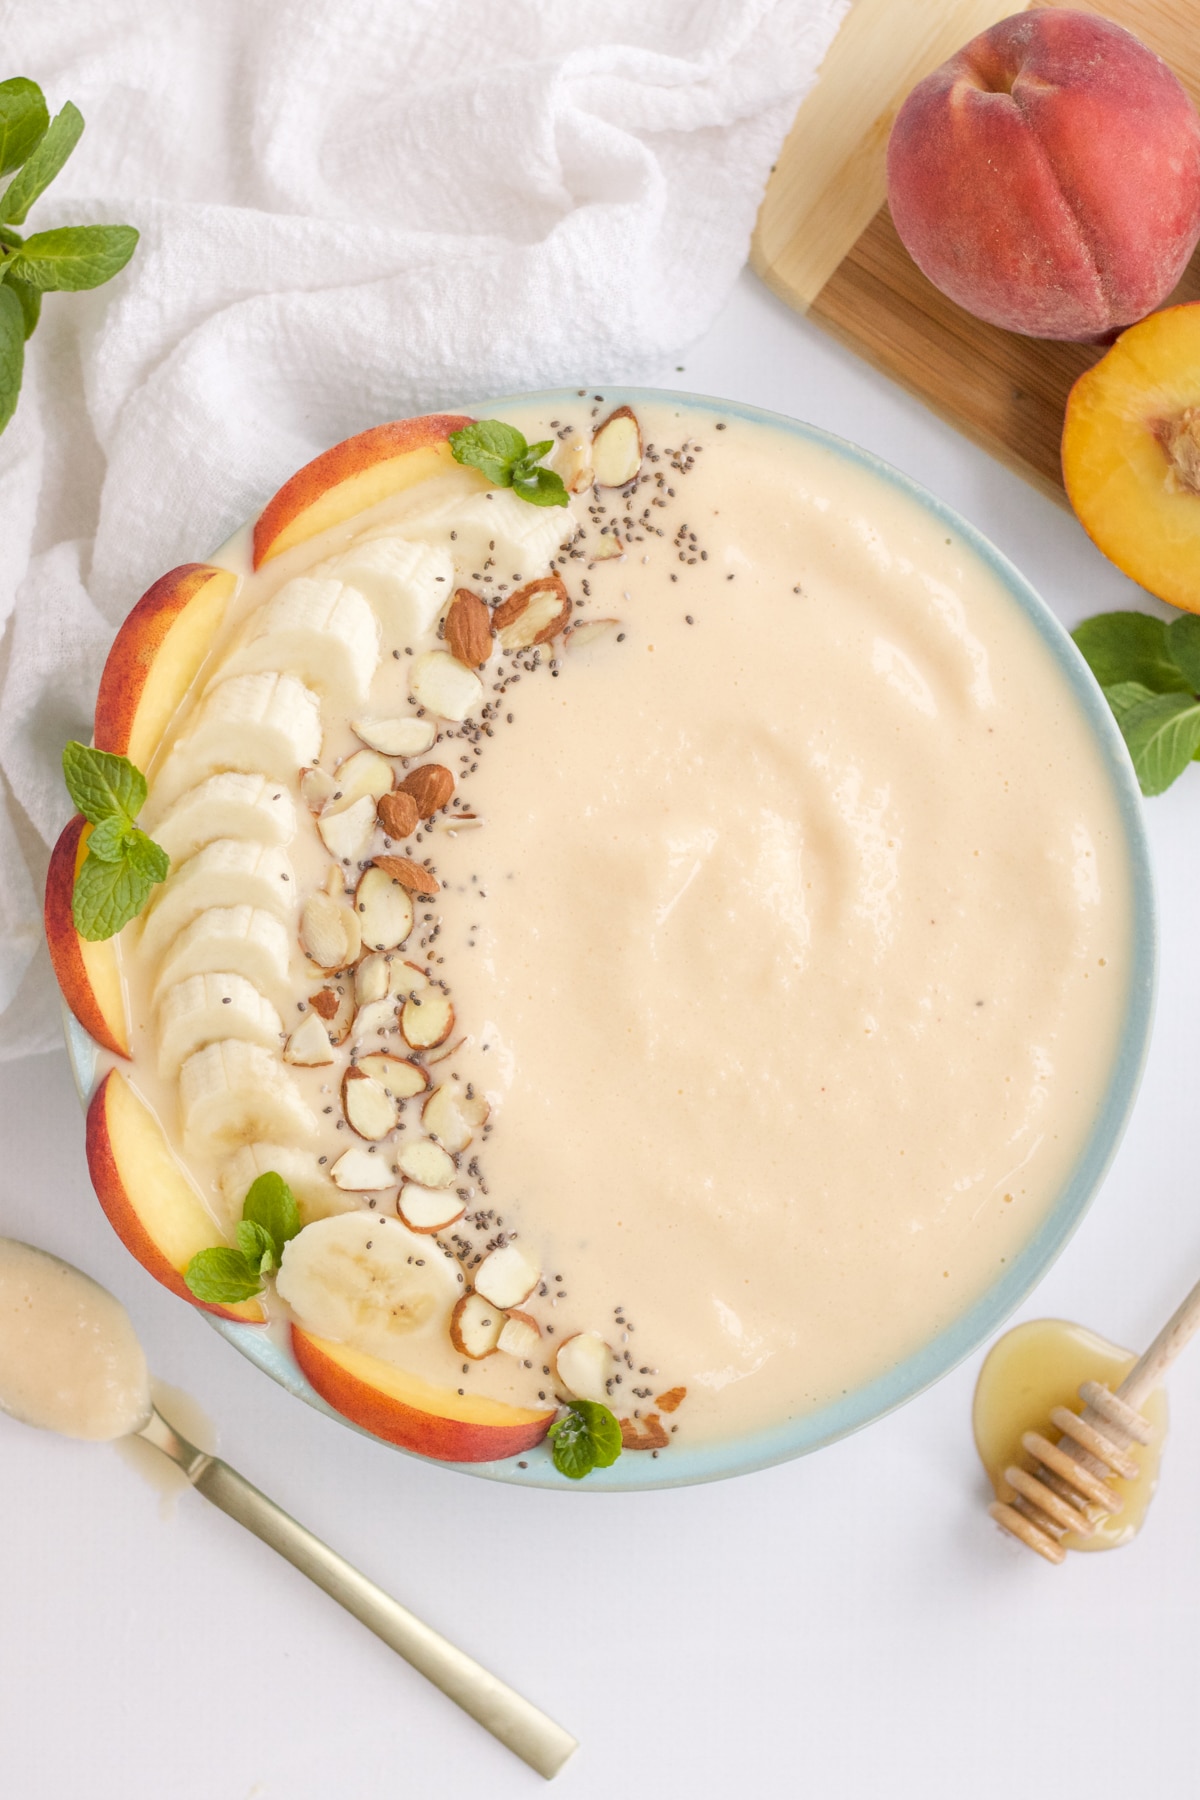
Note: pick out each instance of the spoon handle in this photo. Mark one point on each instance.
(519, 1725)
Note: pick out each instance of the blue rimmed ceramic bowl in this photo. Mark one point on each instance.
(739, 1455)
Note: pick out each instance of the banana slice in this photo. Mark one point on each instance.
(407, 584)
(319, 629)
(260, 724)
(368, 1281)
(232, 1093)
(234, 940)
(203, 1008)
(232, 805)
(495, 532)
(228, 873)
(316, 1195)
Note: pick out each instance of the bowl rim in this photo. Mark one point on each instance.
(721, 1459)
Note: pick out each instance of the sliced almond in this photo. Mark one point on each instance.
(427, 1019)
(453, 1117)
(648, 1434)
(409, 978)
(372, 978)
(442, 1052)
(365, 774)
(396, 737)
(590, 631)
(369, 1110)
(431, 786)
(617, 449)
(316, 787)
(346, 831)
(507, 1276)
(385, 912)
(672, 1399)
(453, 823)
(309, 1044)
(346, 1014)
(329, 932)
(358, 1172)
(426, 1163)
(607, 548)
(376, 1019)
(395, 1074)
(469, 629)
(584, 1365)
(475, 1327)
(520, 1335)
(324, 1002)
(573, 461)
(428, 1209)
(533, 615)
(398, 814)
(442, 685)
(409, 874)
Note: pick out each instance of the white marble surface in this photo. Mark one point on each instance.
(843, 1627)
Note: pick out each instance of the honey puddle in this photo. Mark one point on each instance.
(164, 1476)
(1041, 1365)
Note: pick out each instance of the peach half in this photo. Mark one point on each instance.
(88, 974)
(1131, 454)
(148, 1199)
(355, 474)
(156, 657)
(392, 1404)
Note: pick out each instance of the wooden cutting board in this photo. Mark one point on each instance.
(825, 242)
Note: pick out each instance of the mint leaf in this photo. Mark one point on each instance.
(57, 143)
(109, 838)
(1123, 696)
(1129, 646)
(256, 1245)
(586, 1437)
(107, 895)
(222, 1276)
(1183, 645)
(271, 1205)
(75, 256)
(23, 121)
(489, 446)
(1163, 735)
(31, 307)
(541, 487)
(12, 351)
(146, 857)
(101, 784)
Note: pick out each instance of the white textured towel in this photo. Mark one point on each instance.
(349, 212)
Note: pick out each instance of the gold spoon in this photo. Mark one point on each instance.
(37, 1289)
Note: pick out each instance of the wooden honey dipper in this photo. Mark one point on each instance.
(1066, 1490)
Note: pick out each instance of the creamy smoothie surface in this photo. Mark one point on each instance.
(69, 1359)
(788, 937)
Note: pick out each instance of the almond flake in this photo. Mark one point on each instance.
(584, 1364)
(358, 1172)
(409, 874)
(324, 1002)
(329, 933)
(395, 1074)
(428, 1209)
(452, 1117)
(396, 737)
(365, 773)
(588, 631)
(469, 629)
(536, 613)
(617, 449)
(426, 1163)
(309, 1044)
(607, 548)
(369, 1110)
(316, 787)
(426, 1019)
(475, 1327)
(507, 1276)
(520, 1335)
(346, 831)
(398, 814)
(442, 685)
(384, 910)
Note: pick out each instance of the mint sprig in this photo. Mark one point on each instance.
(122, 864)
(585, 1437)
(270, 1219)
(33, 149)
(1150, 673)
(500, 452)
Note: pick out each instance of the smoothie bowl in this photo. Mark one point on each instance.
(686, 946)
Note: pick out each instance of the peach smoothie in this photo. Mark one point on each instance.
(673, 946)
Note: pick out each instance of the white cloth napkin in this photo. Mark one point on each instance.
(350, 210)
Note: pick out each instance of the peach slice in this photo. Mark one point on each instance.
(1131, 454)
(88, 974)
(354, 475)
(150, 1203)
(155, 658)
(393, 1404)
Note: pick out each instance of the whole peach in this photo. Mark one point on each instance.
(1047, 177)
